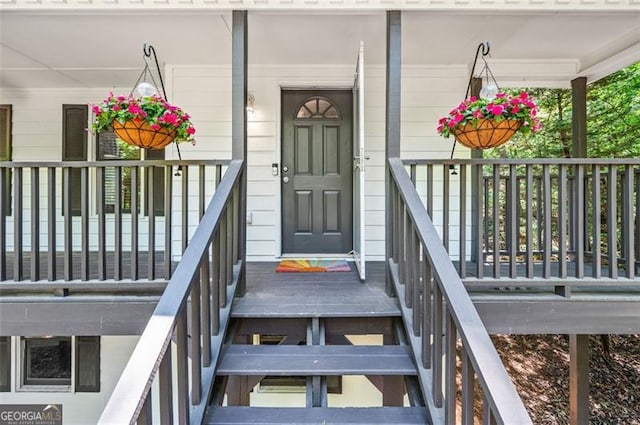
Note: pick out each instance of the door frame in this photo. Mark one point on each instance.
(319, 86)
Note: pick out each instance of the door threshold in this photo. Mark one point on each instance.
(348, 257)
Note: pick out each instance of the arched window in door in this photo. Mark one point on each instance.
(318, 107)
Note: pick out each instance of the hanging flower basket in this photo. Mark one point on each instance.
(481, 123)
(487, 133)
(138, 133)
(149, 122)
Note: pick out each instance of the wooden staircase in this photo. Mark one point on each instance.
(316, 360)
(314, 345)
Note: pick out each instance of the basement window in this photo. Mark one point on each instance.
(46, 361)
(55, 363)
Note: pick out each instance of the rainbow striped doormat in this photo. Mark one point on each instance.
(312, 266)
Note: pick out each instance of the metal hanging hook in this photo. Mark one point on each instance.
(147, 50)
(483, 48)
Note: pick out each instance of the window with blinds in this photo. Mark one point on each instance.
(110, 148)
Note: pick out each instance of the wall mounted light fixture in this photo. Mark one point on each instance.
(250, 102)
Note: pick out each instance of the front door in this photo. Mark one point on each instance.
(316, 172)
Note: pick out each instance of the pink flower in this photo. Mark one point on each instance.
(477, 113)
(495, 109)
(96, 109)
(455, 120)
(134, 109)
(155, 126)
(501, 95)
(116, 107)
(191, 130)
(121, 98)
(170, 118)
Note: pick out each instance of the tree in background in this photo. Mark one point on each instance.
(613, 121)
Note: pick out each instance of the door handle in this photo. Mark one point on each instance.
(285, 179)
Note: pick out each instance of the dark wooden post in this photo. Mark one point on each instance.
(579, 344)
(392, 123)
(579, 379)
(579, 117)
(239, 127)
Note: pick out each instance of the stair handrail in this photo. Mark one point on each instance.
(131, 397)
(423, 316)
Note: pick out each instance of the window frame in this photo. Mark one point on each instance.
(88, 346)
(42, 384)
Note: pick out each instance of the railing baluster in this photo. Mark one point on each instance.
(627, 221)
(539, 212)
(18, 220)
(68, 235)
(135, 228)
(450, 372)
(35, 223)
(401, 241)
(462, 250)
(562, 226)
(446, 201)
(165, 386)
(596, 248)
(415, 277)
(205, 306)
(546, 267)
(637, 232)
(102, 225)
(185, 207)
(430, 190)
(229, 257)
(437, 345)
(222, 248)
(486, 214)
(182, 367)
(529, 221)
(580, 223)
(168, 213)
(479, 224)
(395, 243)
(409, 277)
(151, 210)
(117, 216)
(427, 321)
(196, 354)
(235, 223)
(496, 221)
(51, 225)
(514, 221)
(216, 293)
(468, 388)
(84, 223)
(612, 219)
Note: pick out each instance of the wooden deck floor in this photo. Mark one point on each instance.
(301, 295)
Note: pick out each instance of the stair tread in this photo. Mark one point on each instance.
(317, 415)
(315, 360)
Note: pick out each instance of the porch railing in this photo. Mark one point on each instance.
(437, 310)
(202, 286)
(553, 219)
(103, 220)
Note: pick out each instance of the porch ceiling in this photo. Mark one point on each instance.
(87, 50)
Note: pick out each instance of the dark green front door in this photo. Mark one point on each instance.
(316, 172)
